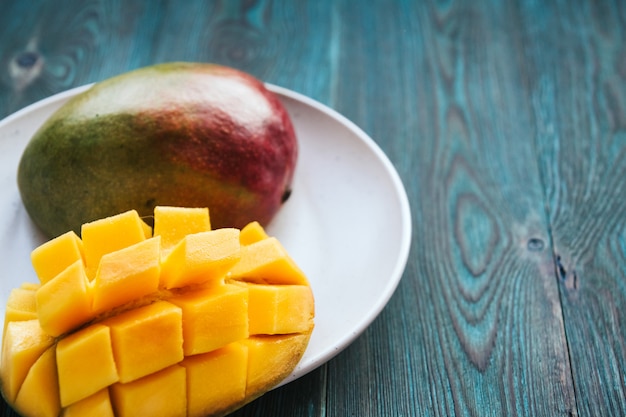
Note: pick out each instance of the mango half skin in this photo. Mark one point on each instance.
(172, 134)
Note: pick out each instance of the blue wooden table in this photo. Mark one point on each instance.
(506, 121)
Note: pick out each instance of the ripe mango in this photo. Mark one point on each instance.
(180, 321)
(173, 134)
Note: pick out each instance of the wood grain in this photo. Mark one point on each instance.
(480, 299)
(579, 99)
(507, 124)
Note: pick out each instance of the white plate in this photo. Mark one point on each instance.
(347, 222)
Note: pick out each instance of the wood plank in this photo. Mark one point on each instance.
(579, 98)
(90, 41)
(49, 49)
(476, 326)
(300, 398)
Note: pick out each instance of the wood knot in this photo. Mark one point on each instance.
(568, 277)
(25, 68)
(535, 244)
(27, 59)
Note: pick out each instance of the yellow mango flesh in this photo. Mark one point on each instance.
(196, 326)
(30, 286)
(267, 262)
(161, 394)
(280, 309)
(97, 405)
(39, 393)
(55, 255)
(85, 363)
(109, 235)
(21, 305)
(127, 274)
(213, 317)
(201, 257)
(216, 381)
(252, 232)
(146, 339)
(23, 343)
(64, 302)
(270, 356)
(174, 223)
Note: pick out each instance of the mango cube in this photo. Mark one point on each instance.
(127, 274)
(85, 363)
(272, 355)
(174, 223)
(146, 339)
(39, 394)
(21, 305)
(213, 317)
(96, 405)
(110, 234)
(267, 262)
(280, 309)
(252, 233)
(54, 256)
(23, 343)
(64, 302)
(201, 257)
(161, 394)
(216, 380)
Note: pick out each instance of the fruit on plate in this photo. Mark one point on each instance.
(179, 320)
(174, 134)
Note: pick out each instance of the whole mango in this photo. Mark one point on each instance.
(172, 134)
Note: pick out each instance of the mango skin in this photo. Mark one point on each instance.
(173, 134)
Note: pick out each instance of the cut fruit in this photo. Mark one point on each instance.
(216, 381)
(201, 257)
(39, 394)
(146, 339)
(162, 394)
(280, 309)
(85, 363)
(213, 317)
(55, 255)
(267, 262)
(109, 235)
(251, 233)
(199, 328)
(21, 306)
(64, 302)
(272, 355)
(174, 223)
(127, 274)
(23, 343)
(97, 405)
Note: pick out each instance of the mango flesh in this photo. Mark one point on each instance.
(121, 340)
(174, 134)
(39, 393)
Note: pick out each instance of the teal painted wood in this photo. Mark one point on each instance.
(479, 303)
(506, 122)
(579, 103)
(87, 41)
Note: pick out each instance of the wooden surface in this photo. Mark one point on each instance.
(507, 123)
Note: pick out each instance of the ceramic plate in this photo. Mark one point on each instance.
(347, 222)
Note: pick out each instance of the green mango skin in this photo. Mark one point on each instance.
(177, 134)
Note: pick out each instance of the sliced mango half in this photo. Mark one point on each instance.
(178, 321)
